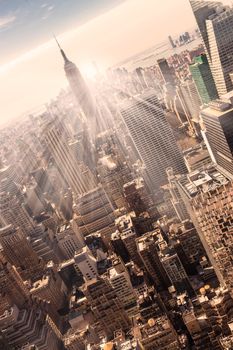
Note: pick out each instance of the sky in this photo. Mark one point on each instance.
(104, 31)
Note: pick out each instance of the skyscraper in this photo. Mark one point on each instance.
(214, 213)
(69, 240)
(203, 79)
(12, 288)
(18, 251)
(152, 136)
(31, 324)
(190, 99)
(166, 72)
(13, 212)
(218, 126)
(72, 171)
(147, 247)
(91, 109)
(176, 199)
(215, 23)
(171, 41)
(106, 306)
(78, 86)
(86, 264)
(208, 198)
(94, 212)
(176, 272)
(120, 281)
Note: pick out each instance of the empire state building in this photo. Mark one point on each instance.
(79, 88)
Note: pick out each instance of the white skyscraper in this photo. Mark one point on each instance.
(86, 263)
(215, 23)
(152, 136)
(69, 239)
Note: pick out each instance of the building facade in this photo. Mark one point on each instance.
(152, 136)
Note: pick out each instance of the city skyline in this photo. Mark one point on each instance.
(40, 64)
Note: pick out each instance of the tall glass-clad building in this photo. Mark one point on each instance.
(203, 79)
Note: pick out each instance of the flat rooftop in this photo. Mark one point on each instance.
(63, 228)
(124, 222)
(219, 107)
(202, 181)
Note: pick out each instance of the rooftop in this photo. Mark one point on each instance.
(138, 182)
(202, 181)
(124, 222)
(219, 107)
(63, 228)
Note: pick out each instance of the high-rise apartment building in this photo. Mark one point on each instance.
(215, 23)
(76, 339)
(73, 172)
(139, 73)
(218, 125)
(152, 136)
(119, 247)
(44, 244)
(203, 79)
(219, 304)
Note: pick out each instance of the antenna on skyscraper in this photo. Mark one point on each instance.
(61, 50)
(57, 41)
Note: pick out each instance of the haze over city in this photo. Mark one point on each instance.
(102, 31)
(116, 175)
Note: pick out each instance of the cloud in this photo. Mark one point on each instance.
(50, 8)
(6, 21)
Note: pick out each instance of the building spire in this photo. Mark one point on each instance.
(61, 50)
